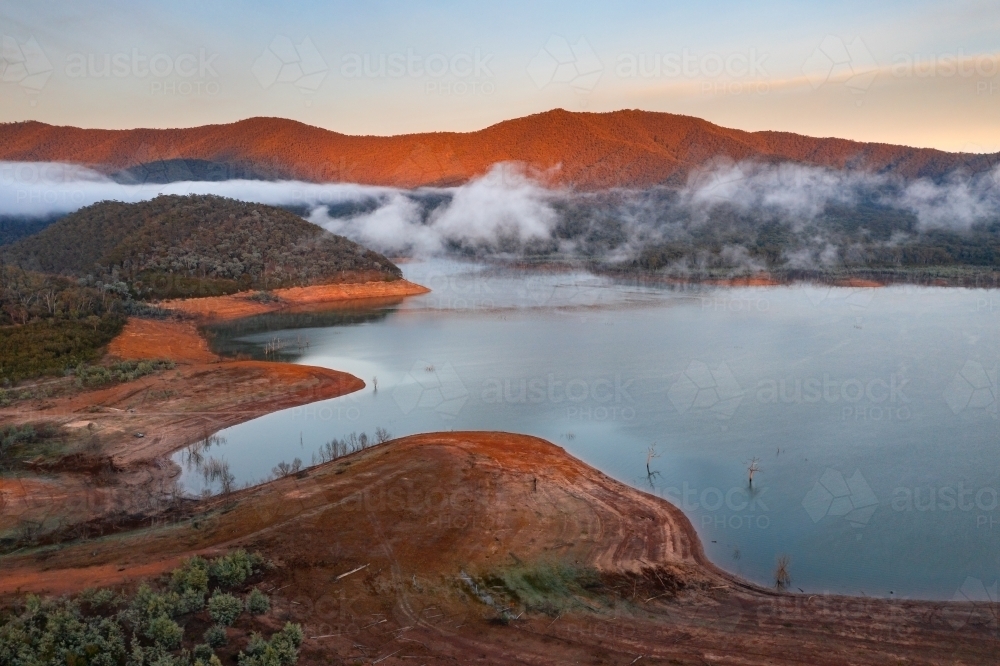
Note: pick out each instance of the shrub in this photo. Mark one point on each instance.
(216, 636)
(192, 575)
(148, 605)
(257, 602)
(60, 629)
(203, 652)
(99, 598)
(281, 650)
(211, 661)
(124, 371)
(233, 569)
(165, 632)
(224, 608)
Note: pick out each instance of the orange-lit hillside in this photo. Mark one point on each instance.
(592, 150)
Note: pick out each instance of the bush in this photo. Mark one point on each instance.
(224, 608)
(165, 632)
(87, 630)
(203, 651)
(257, 602)
(216, 636)
(281, 650)
(190, 576)
(211, 661)
(125, 371)
(60, 629)
(148, 605)
(233, 569)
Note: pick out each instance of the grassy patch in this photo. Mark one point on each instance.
(547, 587)
(124, 371)
(31, 441)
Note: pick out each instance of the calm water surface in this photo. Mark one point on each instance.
(872, 413)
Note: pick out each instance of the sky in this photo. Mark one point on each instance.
(917, 73)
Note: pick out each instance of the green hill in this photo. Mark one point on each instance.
(195, 245)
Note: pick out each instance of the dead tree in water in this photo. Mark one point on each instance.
(782, 579)
(650, 474)
(752, 468)
(650, 454)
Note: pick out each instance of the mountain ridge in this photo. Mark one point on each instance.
(588, 151)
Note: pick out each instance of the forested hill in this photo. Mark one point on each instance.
(589, 151)
(196, 245)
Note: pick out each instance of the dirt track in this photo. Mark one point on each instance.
(420, 512)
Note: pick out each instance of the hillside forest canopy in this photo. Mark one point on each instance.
(199, 245)
(66, 291)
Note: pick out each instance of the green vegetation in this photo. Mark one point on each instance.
(30, 441)
(49, 347)
(215, 636)
(224, 609)
(13, 229)
(658, 231)
(101, 628)
(257, 602)
(50, 323)
(66, 291)
(232, 570)
(176, 246)
(549, 588)
(123, 371)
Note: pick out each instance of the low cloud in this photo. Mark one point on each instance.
(506, 212)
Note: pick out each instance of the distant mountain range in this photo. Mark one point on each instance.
(589, 151)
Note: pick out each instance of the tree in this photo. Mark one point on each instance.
(752, 468)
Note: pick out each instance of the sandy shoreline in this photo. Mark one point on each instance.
(172, 409)
(421, 512)
(234, 306)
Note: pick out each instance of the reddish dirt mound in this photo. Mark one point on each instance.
(859, 282)
(435, 528)
(157, 339)
(234, 306)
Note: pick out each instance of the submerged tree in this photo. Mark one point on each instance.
(752, 468)
(782, 579)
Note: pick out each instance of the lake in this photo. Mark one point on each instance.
(872, 414)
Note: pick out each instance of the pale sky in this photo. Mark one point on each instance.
(916, 73)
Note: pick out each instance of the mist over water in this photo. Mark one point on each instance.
(746, 216)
